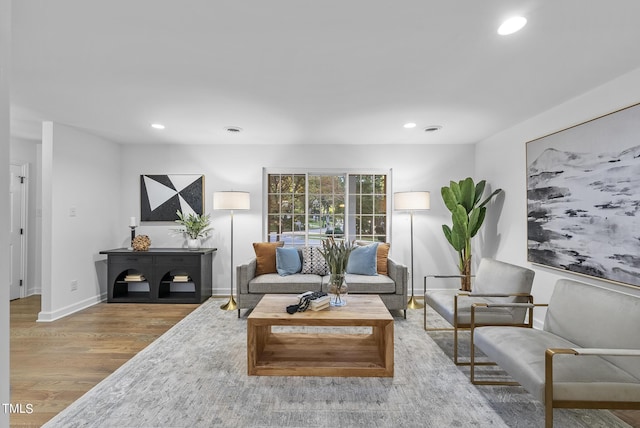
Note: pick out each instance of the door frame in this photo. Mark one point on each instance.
(24, 167)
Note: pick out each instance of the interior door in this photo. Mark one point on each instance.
(16, 234)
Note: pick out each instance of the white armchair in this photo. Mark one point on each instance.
(495, 282)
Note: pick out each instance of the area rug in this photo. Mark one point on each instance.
(195, 375)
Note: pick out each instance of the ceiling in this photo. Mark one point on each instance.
(308, 72)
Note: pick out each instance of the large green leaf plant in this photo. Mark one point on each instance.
(463, 199)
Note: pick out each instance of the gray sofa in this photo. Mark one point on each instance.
(391, 288)
(586, 356)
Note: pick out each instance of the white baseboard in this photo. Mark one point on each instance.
(70, 309)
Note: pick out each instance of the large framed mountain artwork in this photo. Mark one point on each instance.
(583, 198)
(162, 195)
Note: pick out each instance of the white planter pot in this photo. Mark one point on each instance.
(193, 244)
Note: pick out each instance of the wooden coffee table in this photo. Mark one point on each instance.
(323, 353)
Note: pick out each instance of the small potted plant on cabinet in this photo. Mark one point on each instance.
(196, 226)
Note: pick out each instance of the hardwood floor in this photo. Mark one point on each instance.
(53, 364)
(632, 417)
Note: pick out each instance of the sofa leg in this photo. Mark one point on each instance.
(238, 312)
(405, 314)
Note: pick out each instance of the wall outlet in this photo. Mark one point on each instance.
(72, 212)
(74, 285)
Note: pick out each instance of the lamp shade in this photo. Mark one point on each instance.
(231, 200)
(411, 201)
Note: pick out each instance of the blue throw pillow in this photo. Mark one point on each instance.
(363, 260)
(287, 261)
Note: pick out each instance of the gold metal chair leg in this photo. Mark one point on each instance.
(472, 359)
(455, 345)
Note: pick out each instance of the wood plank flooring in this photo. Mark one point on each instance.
(53, 364)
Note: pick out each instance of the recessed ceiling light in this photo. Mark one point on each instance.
(512, 25)
(157, 126)
(432, 128)
(233, 129)
(409, 125)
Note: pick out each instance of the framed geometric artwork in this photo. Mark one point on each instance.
(583, 198)
(162, 195)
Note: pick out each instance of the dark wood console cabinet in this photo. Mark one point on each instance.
(160, 275)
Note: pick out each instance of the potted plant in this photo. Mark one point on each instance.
(196, 226)
(467, 214)
(337, 255)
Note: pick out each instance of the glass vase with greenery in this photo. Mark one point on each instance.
(336, 254)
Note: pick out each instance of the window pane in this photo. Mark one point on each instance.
(380, 230)
(298, 181)
(273, 204)
(286, 184)
(326, 186)
(339, 204)
(367, 184)
(274, 223)
(314, 184)
(298, 222)
(286, 222)
(274, 183)
(380, 184)
(315, 205)
(367, 225)
(298, 204)
(328, 224)
(326, 204)
(339, 225)
(356, 181)
(380, 204)
(286, 204)
(367, 204)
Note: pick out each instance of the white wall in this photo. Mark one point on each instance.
(80, 172)
(5, 67)
(240, 168)
(24, 151)
(501, 160)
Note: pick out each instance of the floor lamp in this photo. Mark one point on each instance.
(412, 201)
(231, 201)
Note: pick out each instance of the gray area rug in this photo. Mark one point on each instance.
(195, 376)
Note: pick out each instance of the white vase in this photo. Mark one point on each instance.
(193, 244)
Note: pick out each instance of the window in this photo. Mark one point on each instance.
(368, 198)
(303, 208)
(286, 213)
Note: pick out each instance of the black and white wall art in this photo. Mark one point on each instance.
(583, 198)
(162, 195)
